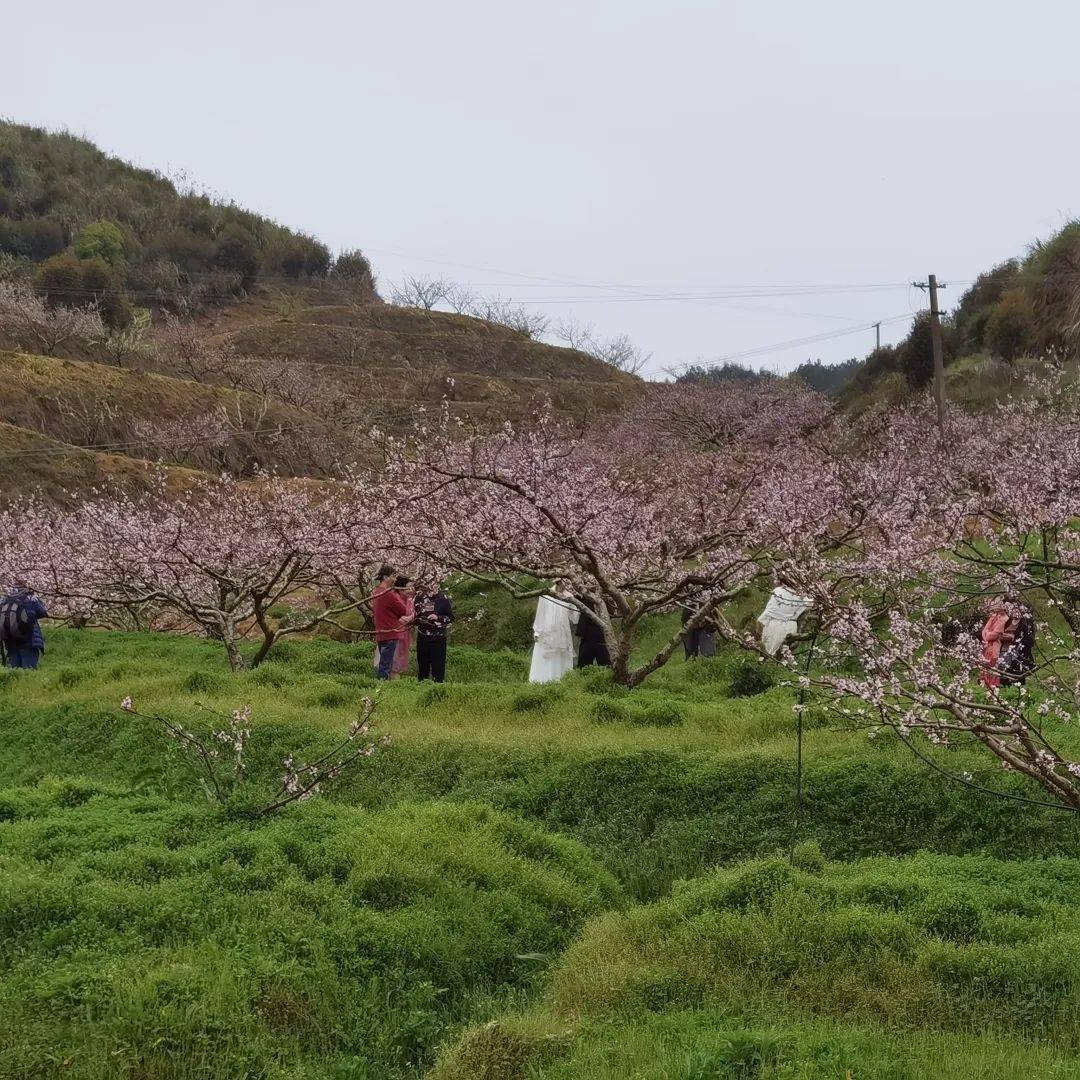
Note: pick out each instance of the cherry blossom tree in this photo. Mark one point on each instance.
(986, 516)
(624, 531)
(724, 416)
(28, 322)
(217, 558)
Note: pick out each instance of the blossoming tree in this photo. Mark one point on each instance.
(217, 557)
(987, 517)
(622, 530)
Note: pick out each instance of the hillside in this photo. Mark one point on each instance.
(31, 462)
(225, 340)
(393, 356)
(152, 416)
(1014, 317)
(92, 225)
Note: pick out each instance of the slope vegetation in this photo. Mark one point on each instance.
(152, 416)
(399, 356)
(31, 462)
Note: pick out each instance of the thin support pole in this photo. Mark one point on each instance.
(796, 825)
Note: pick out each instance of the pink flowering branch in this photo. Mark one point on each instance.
(299, 782)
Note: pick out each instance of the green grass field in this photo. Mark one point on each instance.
(557, 882)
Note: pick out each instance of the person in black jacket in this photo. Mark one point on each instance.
(1017, 660)
(434, 614)
(702, 640)
(593, 647)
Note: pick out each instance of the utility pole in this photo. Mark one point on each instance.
(931, 284)
(877, 331)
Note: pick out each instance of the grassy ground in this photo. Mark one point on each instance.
(460, 862)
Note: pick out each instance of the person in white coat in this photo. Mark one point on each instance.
(553, 640)
(780, 619)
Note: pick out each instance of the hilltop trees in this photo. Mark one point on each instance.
(191, 249)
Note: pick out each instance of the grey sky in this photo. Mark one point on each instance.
(660, 147)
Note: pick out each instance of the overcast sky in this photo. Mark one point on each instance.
(642, 166)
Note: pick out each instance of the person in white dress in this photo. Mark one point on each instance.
(780, 619)
(553, 640)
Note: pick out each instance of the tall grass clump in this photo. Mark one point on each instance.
(155, 938)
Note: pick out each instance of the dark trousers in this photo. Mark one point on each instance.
(699, 643)
(387, 649)
(593, 652)
(24, 656)
(431, 658)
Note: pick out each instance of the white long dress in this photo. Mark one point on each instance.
(553, 640)
(780, 619)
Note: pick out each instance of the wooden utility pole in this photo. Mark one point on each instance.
(877, 331)
(931, 285)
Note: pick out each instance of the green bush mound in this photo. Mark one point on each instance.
(719, 1045)
(654, 801)
(149, 938)
(922, 946)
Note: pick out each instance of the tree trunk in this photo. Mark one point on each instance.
(269, 636)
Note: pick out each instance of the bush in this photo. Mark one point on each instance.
(609, 710)
(975, 305)
(657, 714)
(236, 251)
(915, 354)
(748, 678)
(32, 238)
(187, 250)
(101, 240)
(949, 915)
(1010, 326)
(536, 698)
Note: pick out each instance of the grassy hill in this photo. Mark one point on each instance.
(71, 210)
(78, 226)
(531, 881)
(155, 417)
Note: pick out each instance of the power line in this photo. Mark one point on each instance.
(812, 339)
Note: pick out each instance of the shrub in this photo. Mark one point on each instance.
(201, 681)
(236, 251)
(1010, 326)
(609, 710)
(32, 238)
(915, 354)
(949, 915)
(977, 302)
(657, 714)
(101, 240)
(748, 678)
(536, 698)
(808, 857)
(60, 280)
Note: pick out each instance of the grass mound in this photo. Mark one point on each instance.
(707, 781)
(796, 969)
(159, 939)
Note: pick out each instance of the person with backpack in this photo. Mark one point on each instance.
(21, 638)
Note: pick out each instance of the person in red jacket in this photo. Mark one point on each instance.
(389, 608)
